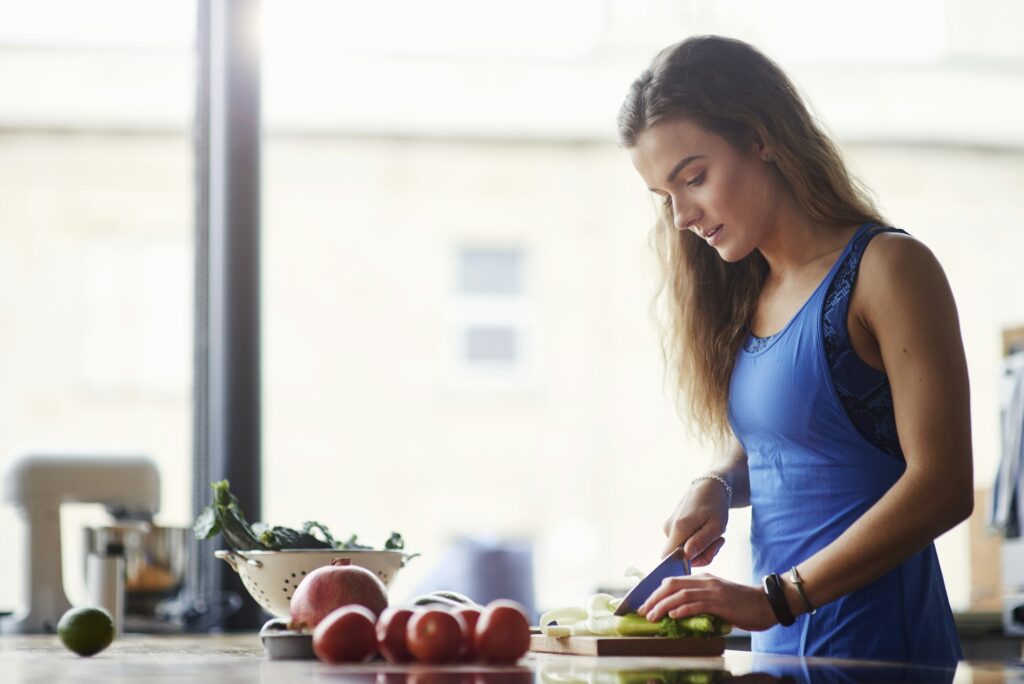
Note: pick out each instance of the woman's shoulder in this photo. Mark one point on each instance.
(898, 267)
(896, 257)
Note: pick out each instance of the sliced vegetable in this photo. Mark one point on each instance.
(563, 616)
(556, 630)
(636, 625)
(598, 619)
(704, 624)
(603, 625)
(600, 604)
(581, 628)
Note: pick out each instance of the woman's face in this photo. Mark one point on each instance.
(728, 198)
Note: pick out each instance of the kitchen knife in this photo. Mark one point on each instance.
(673, 566)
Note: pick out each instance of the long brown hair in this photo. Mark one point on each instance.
(732, 90)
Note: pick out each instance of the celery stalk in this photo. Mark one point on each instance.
(696, 625)
(635, 625)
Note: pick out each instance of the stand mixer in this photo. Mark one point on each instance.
(37, 484)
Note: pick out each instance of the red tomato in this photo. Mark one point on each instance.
(470, 615)
(503, 632)
(391, 634)
(434, 636)
(347, 634)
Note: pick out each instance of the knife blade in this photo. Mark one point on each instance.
(674, 565)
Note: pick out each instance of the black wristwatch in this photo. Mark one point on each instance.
(777, 599)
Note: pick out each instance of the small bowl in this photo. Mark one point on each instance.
(271, 576)
(282, 643)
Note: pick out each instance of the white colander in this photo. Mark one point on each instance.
(271, 576)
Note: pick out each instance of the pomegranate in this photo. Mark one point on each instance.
(333, 586)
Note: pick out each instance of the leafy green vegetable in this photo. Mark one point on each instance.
(278, 537)
(351, 543)
(394, 542)
(225, 516)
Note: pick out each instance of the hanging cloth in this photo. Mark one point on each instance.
(1006, 514)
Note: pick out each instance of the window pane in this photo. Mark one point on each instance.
(490, 345)
(96, 256)
(491, 272)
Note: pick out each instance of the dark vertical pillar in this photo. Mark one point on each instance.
(227, 335)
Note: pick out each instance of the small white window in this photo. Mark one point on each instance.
(491, 272)
(491, 340)
(491, 344)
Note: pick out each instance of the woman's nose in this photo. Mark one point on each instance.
(684, 217)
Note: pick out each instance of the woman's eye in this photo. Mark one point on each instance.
(667, 201)
(698, 179)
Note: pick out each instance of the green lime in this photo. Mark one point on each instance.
(86, 631)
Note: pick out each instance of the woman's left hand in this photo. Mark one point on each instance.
(741, 605)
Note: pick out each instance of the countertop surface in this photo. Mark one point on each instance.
(240, 658)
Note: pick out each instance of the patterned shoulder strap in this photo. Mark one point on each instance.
(837, 299)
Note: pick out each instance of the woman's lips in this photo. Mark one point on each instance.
(714, 235)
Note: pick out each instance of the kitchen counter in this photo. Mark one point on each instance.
(240, 658)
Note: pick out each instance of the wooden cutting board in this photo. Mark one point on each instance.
(628, 646)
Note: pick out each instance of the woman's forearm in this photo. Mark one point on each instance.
(917, 509)
(732, 467)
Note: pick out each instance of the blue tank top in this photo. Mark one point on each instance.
(812, 475)
(863, 391)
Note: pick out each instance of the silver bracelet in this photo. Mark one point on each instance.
(716, 478)
(798, 581)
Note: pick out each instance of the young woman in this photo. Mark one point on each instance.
(821, 347)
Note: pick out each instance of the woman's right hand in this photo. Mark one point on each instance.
(698, 522)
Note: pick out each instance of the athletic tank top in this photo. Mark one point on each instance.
(863, 391)
(812, 475)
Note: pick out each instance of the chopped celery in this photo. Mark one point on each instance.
(633, 624)
(598, 619)
(696, 625)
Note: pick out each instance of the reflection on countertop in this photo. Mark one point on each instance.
(240, 658)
